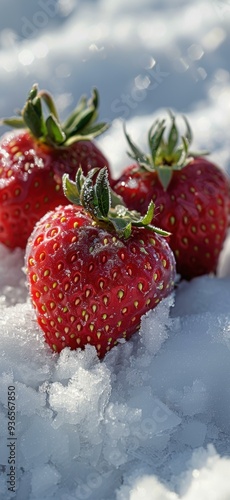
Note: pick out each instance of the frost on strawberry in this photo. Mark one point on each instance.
(191, 195)
(34, 156)
(94, 267)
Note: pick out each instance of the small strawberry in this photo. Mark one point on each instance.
(190, 193)
(93, 268)
(33, 160)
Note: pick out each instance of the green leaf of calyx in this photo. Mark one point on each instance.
(165, 174)
(102, 191)
(54, 131)
(94, 130)
(116, 199)
(13, 121)
(155, 136)
(173, 136)
(36, 102)
(32, 113)
(79, 179)
(136, 154)
(33, 119)
(123, 226)
(95, 98)
(81, 119)
(123, 219)
(80, 122)
(78, 109)
(94, 102)
(71, 190)
(185, 144)
(146, 219)
(188, 134)
(87, 195)
(183, 152)
(33, 92)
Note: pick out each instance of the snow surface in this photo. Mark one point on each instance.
(152, 420)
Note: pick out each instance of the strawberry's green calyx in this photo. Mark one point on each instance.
(80, 125)
(93, 192)
(166, 155)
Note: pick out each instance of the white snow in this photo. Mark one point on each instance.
(152, 420)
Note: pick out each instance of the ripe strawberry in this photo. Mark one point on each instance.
(190, 193)
(33, 160)
(94, 269)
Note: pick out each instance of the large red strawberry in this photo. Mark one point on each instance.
(190, 193)
(94, 268)
(33, 160)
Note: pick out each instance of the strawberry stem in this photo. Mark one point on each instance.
(166, 155)
(80, 125)
(94, 193)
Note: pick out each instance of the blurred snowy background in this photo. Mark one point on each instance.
(152, 420)
(140, 55)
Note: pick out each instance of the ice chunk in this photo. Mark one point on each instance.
(41, 443)
(30, 402)
(96, 483)
(120, 422)
(6, 379)
(156, 416)
(192, 400)
(85, 396)
(23, 350)
(154, 329)
(193, 434)
(70, 361)
(44, 481)
(13, 288)
(150, 434)
(196, 352)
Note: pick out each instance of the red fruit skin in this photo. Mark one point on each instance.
(87, 285)
(194, 209)
(30, 180)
